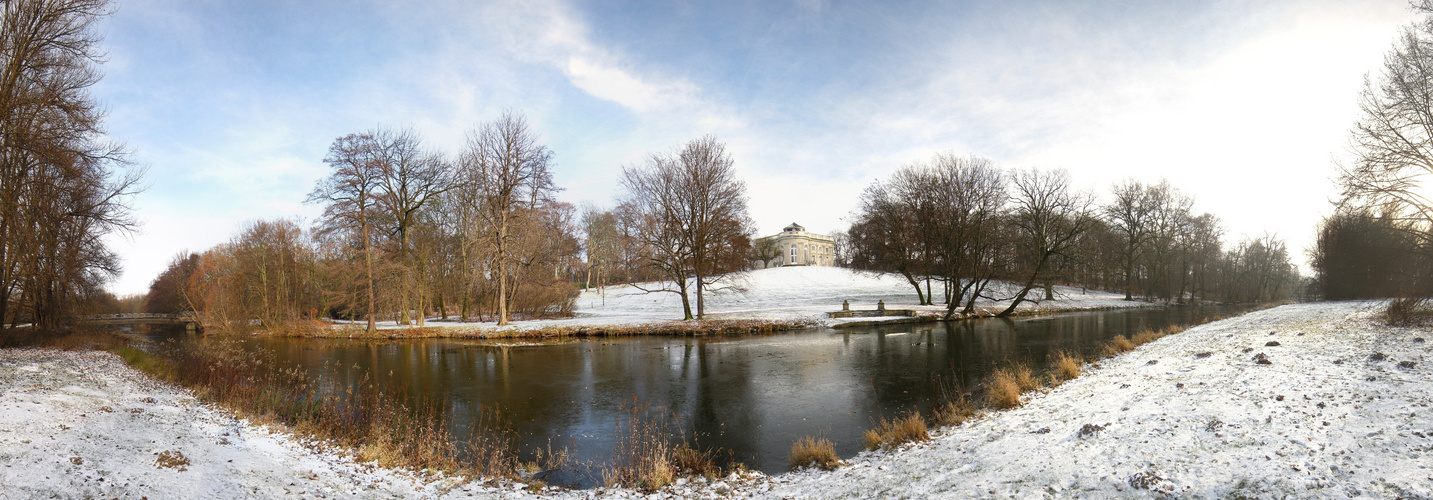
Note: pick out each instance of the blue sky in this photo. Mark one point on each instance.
(1244, 105)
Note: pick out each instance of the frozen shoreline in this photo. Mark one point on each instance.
(1171, 420)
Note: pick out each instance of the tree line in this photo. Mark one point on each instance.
(63, 185)
(953, 225)
(407, 231)
(1379, 240)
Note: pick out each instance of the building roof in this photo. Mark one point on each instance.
(794, 227)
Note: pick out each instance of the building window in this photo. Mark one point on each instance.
(793, 254)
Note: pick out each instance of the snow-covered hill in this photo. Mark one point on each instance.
(805, 293)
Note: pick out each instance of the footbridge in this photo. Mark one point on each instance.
(187, 320)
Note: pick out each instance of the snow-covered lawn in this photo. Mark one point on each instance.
(1192, 415)
(788, 294)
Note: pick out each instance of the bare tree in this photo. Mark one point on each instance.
(971, 200)
(884, 237)
(1129, 215)
(602, 245)
(60, 186)
(505, 170)
(408, 178)
(1048, 219)
(350, 200)
(1392, 146)
(690, 211)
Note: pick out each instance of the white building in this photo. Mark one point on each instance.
(798, 248)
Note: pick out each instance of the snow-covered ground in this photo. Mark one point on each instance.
(1323, 419)
(1190, 415)
(789, 294)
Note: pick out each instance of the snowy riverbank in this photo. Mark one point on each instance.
(1194, 415)
(1191, 414)
(85, 424)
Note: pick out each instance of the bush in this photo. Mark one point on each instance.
(812, 452)
(1407, 311)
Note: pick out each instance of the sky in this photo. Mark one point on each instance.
(1243, 105)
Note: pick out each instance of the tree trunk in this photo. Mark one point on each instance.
(503, 271)
(368, 258)
(920, 298)
(701, 302)
(686, 303)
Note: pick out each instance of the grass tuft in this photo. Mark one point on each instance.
(812, 452)
(892, 433)
(1065, 366)
(1146, 337)
(1003, 389)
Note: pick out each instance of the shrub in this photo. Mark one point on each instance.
(812, 452)
(892, 433)
(1407, 311)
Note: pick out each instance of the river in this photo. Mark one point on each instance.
(752, 395)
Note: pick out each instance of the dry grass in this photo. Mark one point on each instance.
(1122, 343)
(1023, 377)
(1146, 337)
(647, 457)
(1065, 366)
(954, 412)
(1003, 389)
(892, 433)
(952, 407)
(812, 452)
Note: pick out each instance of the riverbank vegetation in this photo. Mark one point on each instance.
(376, 423)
